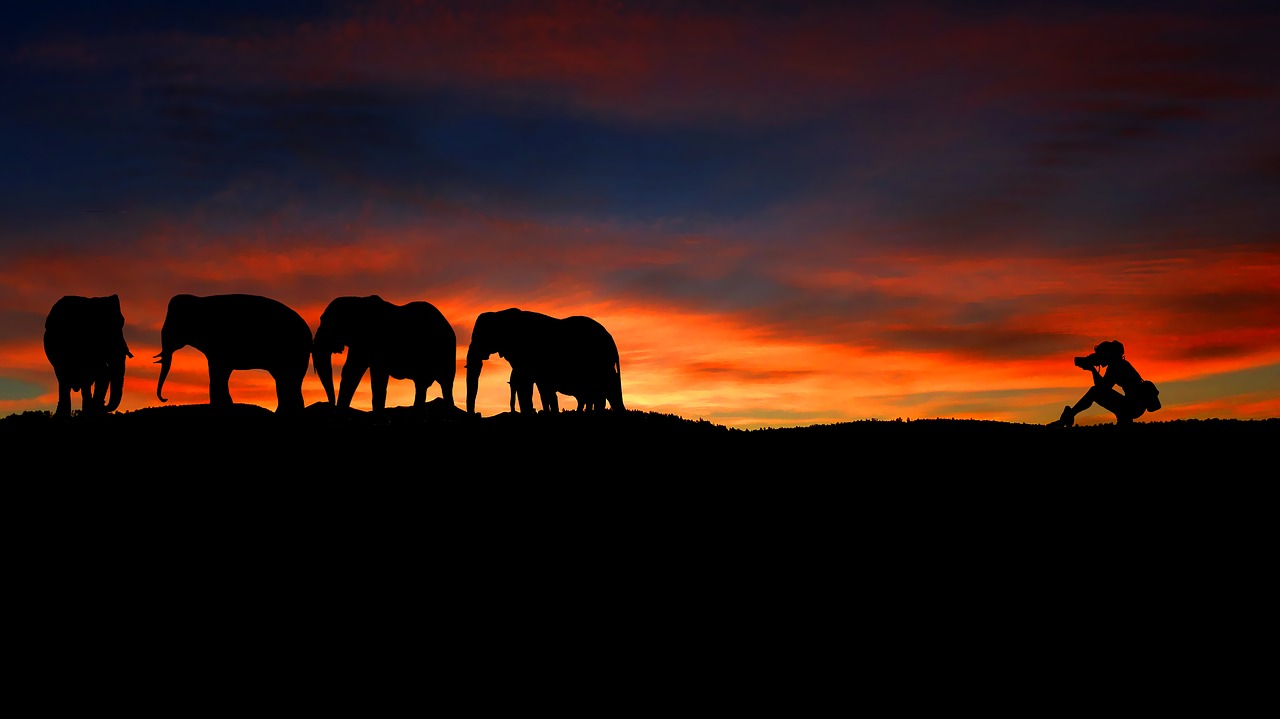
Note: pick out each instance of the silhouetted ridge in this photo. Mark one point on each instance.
(439, 439)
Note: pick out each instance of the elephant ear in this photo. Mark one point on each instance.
(115, 314)
(481, 330)
(520, 330)
(333, 321)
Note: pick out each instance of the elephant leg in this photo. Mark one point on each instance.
(288, 394)
(446, 389)
(378, 384)
(219, 384)
(420, 392)
(99, 394)
(524, 392)
(352, 373)
(92, 405)
(64, 400)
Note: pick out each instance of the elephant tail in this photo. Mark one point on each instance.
(615, 392)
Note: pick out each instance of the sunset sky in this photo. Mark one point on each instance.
(829, 212)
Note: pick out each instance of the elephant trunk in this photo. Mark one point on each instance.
(115, 387)
(615, 389)
(475, 362)
(116, 383)
(165, 359)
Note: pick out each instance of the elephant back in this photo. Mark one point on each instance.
(588, 367)
(427, 317)
(421, 338)
(77, 313)
(245, 331)
(75, 322)
(589, 341)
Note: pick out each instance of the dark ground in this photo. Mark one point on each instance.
(436, 466)
(441, 444)
(634, 554)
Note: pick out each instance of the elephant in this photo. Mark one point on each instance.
(84, 341)
(575, 356)
(236, 332)
(411, 341)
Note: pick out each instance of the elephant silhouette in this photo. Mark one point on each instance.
(412, 341)
(238, 332)
(575, 356)
(547, 396)
(84, 341)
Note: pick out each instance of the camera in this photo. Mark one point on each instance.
(1088, 362)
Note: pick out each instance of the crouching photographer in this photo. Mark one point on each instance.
(1139, 396)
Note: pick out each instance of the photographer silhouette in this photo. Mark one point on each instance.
(1138, 398)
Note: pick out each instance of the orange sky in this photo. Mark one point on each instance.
(727, 369)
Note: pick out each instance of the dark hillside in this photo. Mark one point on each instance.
(630, 458)
(637, 529)
(253, 442)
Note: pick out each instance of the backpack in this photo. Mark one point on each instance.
(1150, 396)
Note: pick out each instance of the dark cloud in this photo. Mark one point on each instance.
(719, 372)
(775, 309)
(1227, 310)
(18, 326)
(1214, 350)
(16, 389)
(982, 342)
(28, 21)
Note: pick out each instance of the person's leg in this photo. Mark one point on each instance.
(1095, 395)
(1114, 402)
(1103, 397)
(1066, 419)
(1129, 410)
(1068, 416)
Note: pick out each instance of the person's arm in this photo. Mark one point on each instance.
(1100, 380)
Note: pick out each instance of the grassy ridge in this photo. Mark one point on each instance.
(251, 440)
